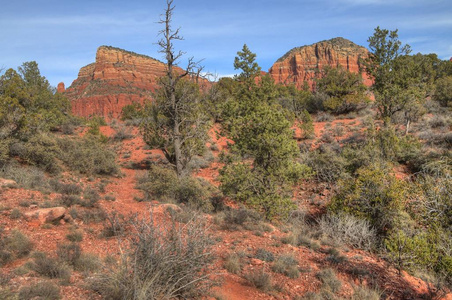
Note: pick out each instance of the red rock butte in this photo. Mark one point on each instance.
(116, 79)
(302, 64)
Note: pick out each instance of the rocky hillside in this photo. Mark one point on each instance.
(117, 78)
(303, 63)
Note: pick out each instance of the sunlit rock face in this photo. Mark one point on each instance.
(303, 64)
(117, 78)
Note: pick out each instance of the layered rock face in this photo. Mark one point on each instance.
(303, 64)
(116, 79)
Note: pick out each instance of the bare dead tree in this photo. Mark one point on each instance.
(176, 123)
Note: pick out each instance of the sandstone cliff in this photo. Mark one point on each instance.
(302, 64)
(116, 79)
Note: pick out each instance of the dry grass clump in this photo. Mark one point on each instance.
(161, 262)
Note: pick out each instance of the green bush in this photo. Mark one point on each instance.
(88, 156)
(132, 111)
(163, 184)
(307, 125)
(26, 177)
(42, 150)
(374, 194)
(90, 197)
(16, 245)
(443, 91)
(327, 166)
(345, 90)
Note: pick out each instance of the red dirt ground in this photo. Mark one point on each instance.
(233, 287)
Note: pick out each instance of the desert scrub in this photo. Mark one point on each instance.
(349, 230)
(50, 267)
(286, 264)
(27, 177)
(329, 280)
(161, 262)
(88, 156)
(16, 245)
(260, 279)
(233, 263)
(162, 184)
(264, 255)
(41, 290)
(75, 236)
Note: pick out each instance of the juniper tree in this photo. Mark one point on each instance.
(264, 168)
(394, 79)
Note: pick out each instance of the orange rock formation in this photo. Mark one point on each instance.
(302, 64)
(116, 79)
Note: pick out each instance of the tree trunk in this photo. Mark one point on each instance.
(178, 151)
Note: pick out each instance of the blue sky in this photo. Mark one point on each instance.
(62, 36)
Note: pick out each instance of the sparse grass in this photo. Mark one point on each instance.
(286, 264)
(69, 253)
(162, 184)
(162, 262)
(92, 215)
(335, 257)
(7, 294)
(69, 200)
(110, 197)
(50, 267)
(329, 280)
(233, 264)
(366, 293)
(14, 246)
(324, 117)
(114, 226)
(87, 262)
(90, 198)
(15, 214)
(65, 188)
(75, 236)
(122, 133)
(264, 255)
(42, 290)
(260, 279)
(30, 178)
(238, 217)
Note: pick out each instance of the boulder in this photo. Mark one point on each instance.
(46, 215)
(7, 183)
